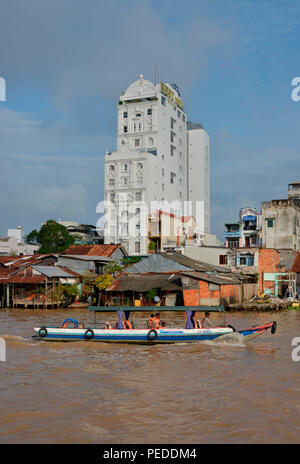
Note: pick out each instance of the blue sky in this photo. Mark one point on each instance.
(66, 63)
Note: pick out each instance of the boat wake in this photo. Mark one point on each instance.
(234, 339)
(17, 339)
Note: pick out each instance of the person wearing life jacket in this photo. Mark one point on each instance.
(157, 321)
(127, 325)
(151, 321)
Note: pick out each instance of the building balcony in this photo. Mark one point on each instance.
(235, 234)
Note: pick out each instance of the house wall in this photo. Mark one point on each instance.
(230, 294)
(268, 262)
(209, 255)
(285, 232)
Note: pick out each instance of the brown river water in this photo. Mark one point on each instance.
(85, 392)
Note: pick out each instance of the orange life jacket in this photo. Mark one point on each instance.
(127, 325)
(156, 323)
(151, 322)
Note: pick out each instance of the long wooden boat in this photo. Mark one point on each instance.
(72, 330)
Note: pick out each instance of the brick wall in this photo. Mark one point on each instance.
(268, 261)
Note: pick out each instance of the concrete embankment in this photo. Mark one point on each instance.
(264, 306)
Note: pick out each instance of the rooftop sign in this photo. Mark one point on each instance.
(170, 94)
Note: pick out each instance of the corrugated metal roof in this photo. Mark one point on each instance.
(25, 279)
(145, 283)
(156, 263)
(218, 280)
(52, 271)
(87, 257)
(172, 262)
(92, 250)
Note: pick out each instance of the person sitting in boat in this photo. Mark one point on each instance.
(198, 324)
(127, 325)
(151, 321)
(206, 323)
(157, 321)
(107, 325)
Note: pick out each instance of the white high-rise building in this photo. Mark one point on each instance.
(198, 185)
(150, 165)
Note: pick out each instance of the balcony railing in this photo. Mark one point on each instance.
(233, 234)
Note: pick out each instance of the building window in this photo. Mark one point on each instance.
(125, 181)
(270, 222)
(138, 115)
(111, 182)
(149, 111)
(173, 137)
(223, 259)
(111, 168)
(140, 166)
(124, 167)
(112, 197)
(162, 172)
(172, 177)
(172, 122)
(137, 247)
(151, 141)
(172, 149)
(125, 129)
(178, 114)
(233, 242)
(163, 186)
(138, 196)
(124, 229)
(163, 101)
(125, 114)
(183, 118)
(136, 142)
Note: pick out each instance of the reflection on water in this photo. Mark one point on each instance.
(83, 392)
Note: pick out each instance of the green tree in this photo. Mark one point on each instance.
(112, 268)
(32, 238)
(52, 238)
(152, 245)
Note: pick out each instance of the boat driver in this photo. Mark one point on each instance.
(206, 323)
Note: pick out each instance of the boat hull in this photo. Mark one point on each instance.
(130, 336)
(141, 336)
